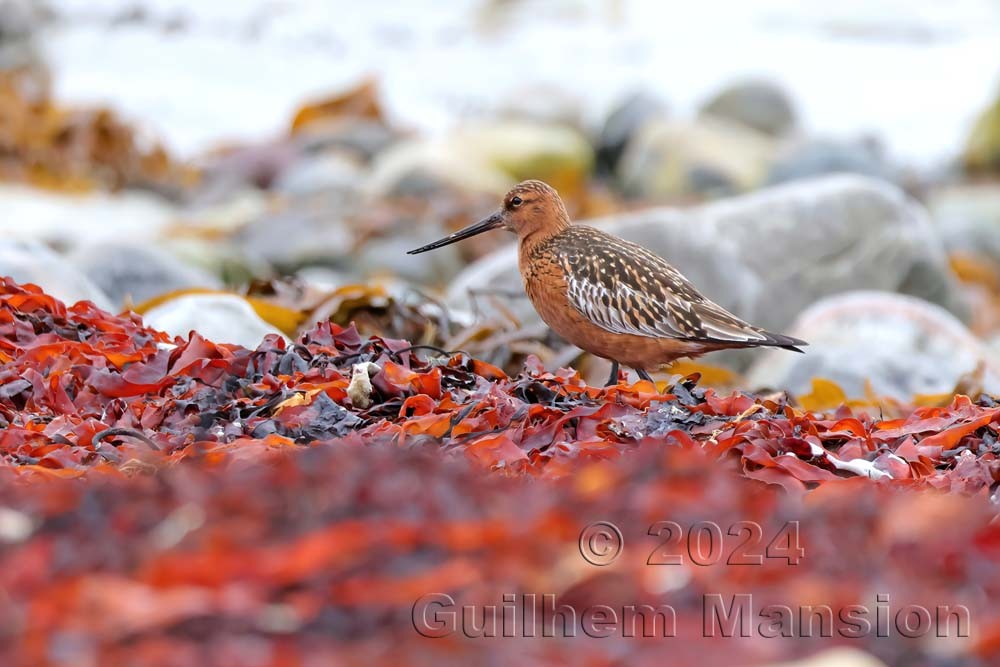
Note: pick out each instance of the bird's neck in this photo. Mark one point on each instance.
(533, 239)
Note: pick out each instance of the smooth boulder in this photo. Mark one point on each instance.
(221, 318)
(675, 159)
(362, 138)
(758, 104)
(968, 217)
(899, 345)
(20, 23)
(332, 174)
(386, 255)
(65, 220)
(131, 273)
(28, 261)
(301, 235)
(819, 157)
(622, 123)
(542, 103)
(486, 158)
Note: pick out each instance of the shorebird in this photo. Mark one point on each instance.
(607, 296)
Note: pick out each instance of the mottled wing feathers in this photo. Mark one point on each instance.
(722, 325)
(625, 289)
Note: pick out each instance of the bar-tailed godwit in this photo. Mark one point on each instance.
(608, 296)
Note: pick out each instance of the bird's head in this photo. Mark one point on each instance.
(531, 209)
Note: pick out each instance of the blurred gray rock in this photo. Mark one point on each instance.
(204, 237)
(33, 262)
(63, 221)
(21, 18)
(760, 105)
(968, 217)
(543, 104)
(228, 173)
(323, 278)
(819, 157)
(484, 158)
(708, 157)
(20, 22)
(294, 238)
(622, 123)
(419, 182)
(330, 174)
(221, 318)
(426, 167)
(769, 255)
(901, 344)
(362, 138)
(131, 273)
(386, 255)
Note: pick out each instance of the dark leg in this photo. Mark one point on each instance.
(613, 380)
(644, 375)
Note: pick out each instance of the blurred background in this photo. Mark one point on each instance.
(830, 170)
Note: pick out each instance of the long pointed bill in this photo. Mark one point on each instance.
(486, 225)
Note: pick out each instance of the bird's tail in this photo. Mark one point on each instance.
(783, 341)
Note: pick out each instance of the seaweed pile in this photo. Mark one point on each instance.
(176, 502)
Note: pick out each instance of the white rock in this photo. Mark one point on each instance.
(672, 158)
(325, 173)
(221, 318)
(68, 220)
(902, 345)
(968, 217)
(757, 103)
(28, 261)
(295, 237)
(131, 273)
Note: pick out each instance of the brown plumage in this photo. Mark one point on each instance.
(608, 296)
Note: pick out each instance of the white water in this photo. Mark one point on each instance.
(914, 72)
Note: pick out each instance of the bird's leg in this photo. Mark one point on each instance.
(613, 380)
(644, 375)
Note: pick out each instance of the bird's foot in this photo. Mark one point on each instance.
(643, 375)
(613, 379)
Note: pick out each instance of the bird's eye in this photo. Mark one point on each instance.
(516, 201)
